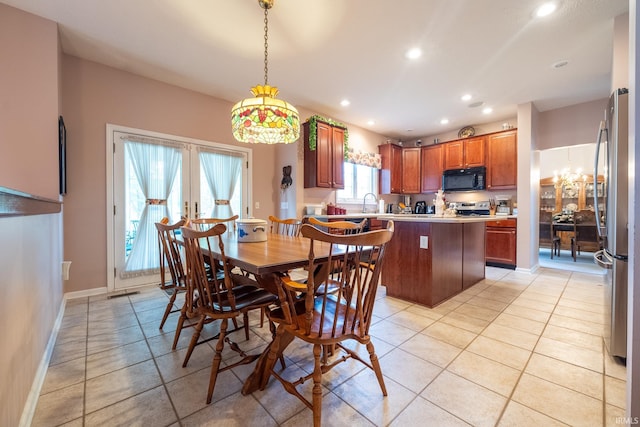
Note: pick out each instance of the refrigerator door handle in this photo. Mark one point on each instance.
(600, 227)
(602, 259)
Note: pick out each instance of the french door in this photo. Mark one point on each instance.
(154, 176)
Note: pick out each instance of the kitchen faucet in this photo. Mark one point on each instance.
(364, 201)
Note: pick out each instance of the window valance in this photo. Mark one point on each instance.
(363, 158)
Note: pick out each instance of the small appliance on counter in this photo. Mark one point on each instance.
(420, 208)
(471, 208)
(503, 205)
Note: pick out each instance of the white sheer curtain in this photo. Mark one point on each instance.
(155, 167)
(222, 172)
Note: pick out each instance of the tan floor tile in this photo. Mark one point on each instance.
(463, 321)
(511, 336)
(593, 328)
(613, 416)
(153, 315)
(67, 351)
(189, 393)
(391, 332)
(170, 364)
(577, 338)
(234, 411)
(567, 375)
(74, 320)
(466, 400)
(411, 371)
(488, 303)
(410, 320)
(450, 334)
(117, 358)
(110, 312)
(477, 312)
(105, 326)
(72, 333)
(388, 306)
(109, 340)
(520, 323)
(424, 311)
(597, 309)
(363, 393)
(447, 306)
(495, 294)
(517, 415)
(59, 407)
(156, 303)
(508, 354)
(430, 349)
(615, 392)
(525, 301)
(145, 409)
(579, 356)
(614, 367)
(421, 410)
(485, 372)
(335, 412)
(119, 385)
(558, 402)
(528, 313)
(63, 375)
(578, 314)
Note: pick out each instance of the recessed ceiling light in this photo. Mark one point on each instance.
(444, 121)
(546, 9)
(487, 110)
(466, 97)
(413, 53)
(476, 104)
(560, 64)
(371, 122)
(345, 102)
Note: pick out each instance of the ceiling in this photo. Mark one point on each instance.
(321, 52)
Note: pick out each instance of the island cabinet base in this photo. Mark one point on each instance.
(429, 262)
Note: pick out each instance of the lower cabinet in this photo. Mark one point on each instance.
(500, 243)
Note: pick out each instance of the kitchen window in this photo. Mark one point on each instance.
(358, 181)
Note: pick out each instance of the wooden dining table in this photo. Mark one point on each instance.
(268, 261)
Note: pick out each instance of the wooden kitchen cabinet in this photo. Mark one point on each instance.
(502, 160)
(323, 167)
(432, 167)
(500, 243)
(390, 176)
(464, 153)
(411, 170)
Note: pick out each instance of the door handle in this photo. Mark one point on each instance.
(186, 209)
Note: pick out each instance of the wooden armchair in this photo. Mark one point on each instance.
(330, 319)
(202, 224)
(340, 227)
(217, 299)
(170, 259)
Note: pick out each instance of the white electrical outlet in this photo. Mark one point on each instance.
(284, 205)
(424, 242)
(257, 205)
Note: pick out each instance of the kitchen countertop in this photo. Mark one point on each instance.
(419, 217)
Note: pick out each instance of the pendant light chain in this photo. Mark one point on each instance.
(266, 46)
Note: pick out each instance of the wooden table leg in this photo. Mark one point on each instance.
(254, 380)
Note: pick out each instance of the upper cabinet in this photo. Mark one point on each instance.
(432, 166)
(411, 170)
(391, 172)
(502, 160)
(464, 153)
(323, 166)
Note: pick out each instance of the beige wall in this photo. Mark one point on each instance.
(573, 125)
(30, 253)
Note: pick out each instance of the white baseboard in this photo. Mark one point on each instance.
(32, 400)
(85, 293)
(531, 270)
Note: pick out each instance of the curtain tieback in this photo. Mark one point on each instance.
(156, 201)
(221, 202)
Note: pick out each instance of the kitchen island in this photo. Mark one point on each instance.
(431, 259)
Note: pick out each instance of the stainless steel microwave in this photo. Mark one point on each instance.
(469, 179)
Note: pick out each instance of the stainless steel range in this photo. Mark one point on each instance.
(471, 208)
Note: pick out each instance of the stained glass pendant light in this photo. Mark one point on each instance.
(264, 119)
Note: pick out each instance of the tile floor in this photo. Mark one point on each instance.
(513, 350)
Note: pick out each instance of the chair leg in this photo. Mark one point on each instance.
(271, 358)
(317, 387)
(176, 336)
(194, 340)
(245, 319)
(376, 367)
(167, 310)
(217, 358)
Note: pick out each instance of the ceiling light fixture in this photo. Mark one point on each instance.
(466, 97)
(413, 53)
(345, 102)
(487, 110)
(444, 121)
(264, 119)
(371, 122)
(546, 9)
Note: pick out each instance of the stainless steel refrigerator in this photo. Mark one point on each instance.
(611, 205)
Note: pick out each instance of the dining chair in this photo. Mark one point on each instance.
(216, 299)
(330, 319)
(286, 227)
(547, 234)
(203, 224)
(170, 259)
(585, 231)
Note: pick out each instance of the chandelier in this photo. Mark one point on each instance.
(262, 118)
(567, 178)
